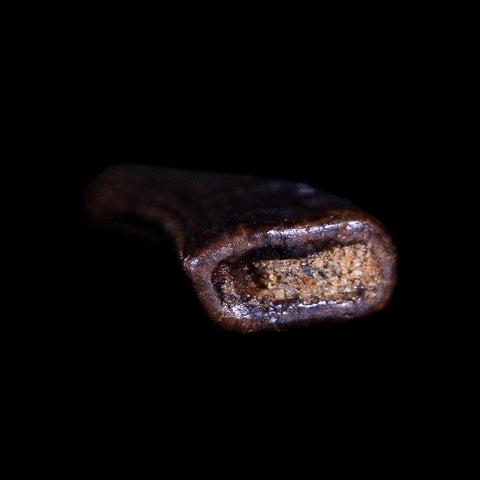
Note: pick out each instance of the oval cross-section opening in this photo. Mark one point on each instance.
(338, 273)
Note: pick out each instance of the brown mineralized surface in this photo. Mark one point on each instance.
(262, 254)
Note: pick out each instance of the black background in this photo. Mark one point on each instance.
(349, 124)
(115, 346)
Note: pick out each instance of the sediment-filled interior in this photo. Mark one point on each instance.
(336, 274)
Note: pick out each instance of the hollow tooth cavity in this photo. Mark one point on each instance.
(336, 274)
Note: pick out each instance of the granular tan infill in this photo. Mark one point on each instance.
(338, 274)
